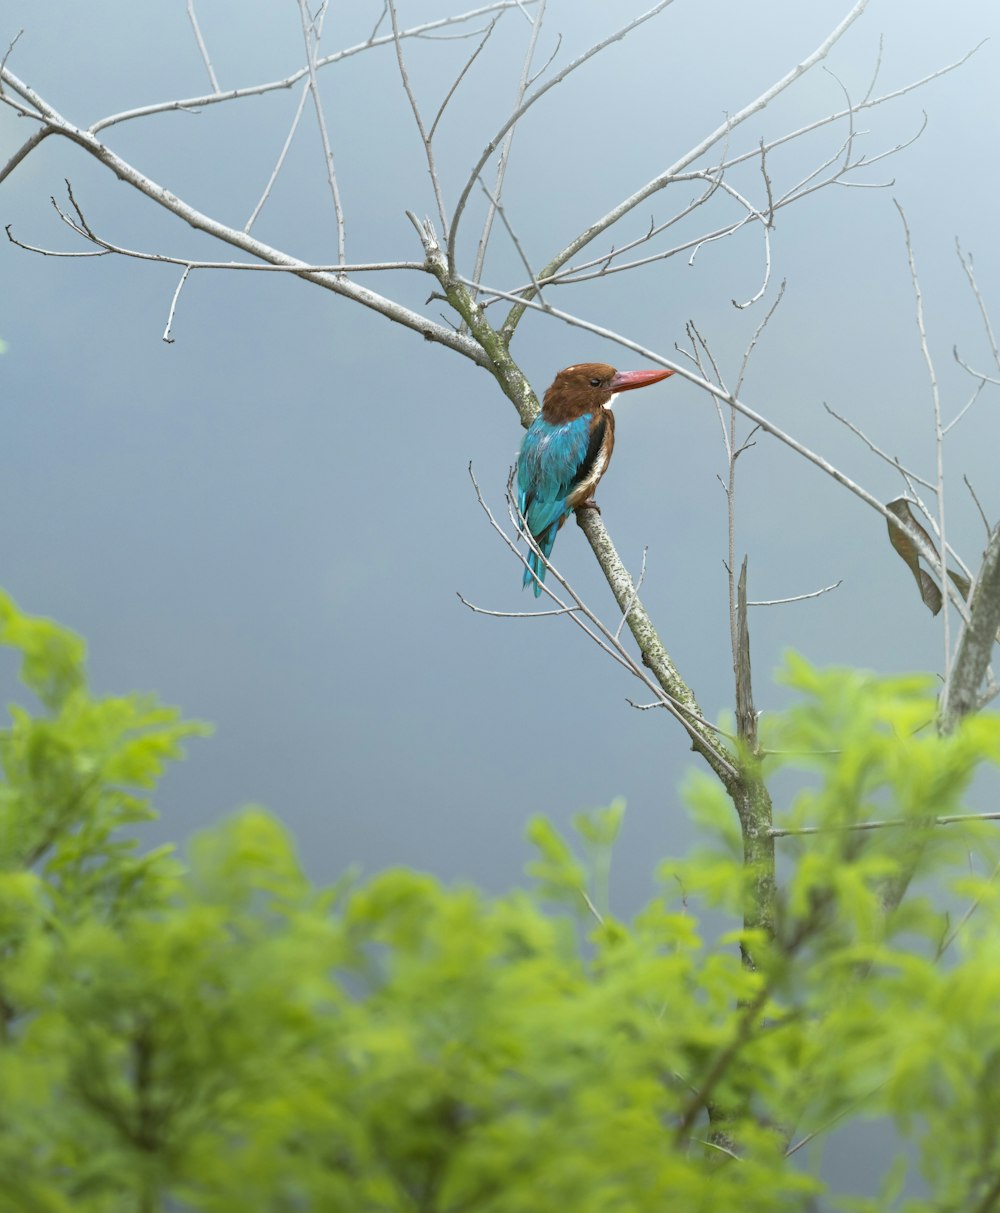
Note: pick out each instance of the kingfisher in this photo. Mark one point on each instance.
(567, 449)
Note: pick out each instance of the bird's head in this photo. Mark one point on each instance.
(589, 386)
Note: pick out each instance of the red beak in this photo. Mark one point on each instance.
(624, 381)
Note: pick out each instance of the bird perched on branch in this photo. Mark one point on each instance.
(566, 451)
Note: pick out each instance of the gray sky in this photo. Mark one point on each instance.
(267, 521)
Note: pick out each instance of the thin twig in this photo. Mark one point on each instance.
(980, 375)
(312, 30)
(893, 460)
(495, 196)
(797, 597)
(689, 157)
(106, 247)
(279, 164)
(460, 77)
(758, 331)
(173, 306)
(425, 138)
(576, 272)
(950, 938)
(478, 610)
(549, 274)
(499, 210)
(966, 260)
(977, 390)
(938, 441)
(804, 1141)
(257, 90)
(888, 823)
(338, 283)
(528, 102)
(6, 55)
(591, 907)
(632, 600)
(202, 47)
(979, 504)
(766, 224)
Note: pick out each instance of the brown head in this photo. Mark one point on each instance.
(590, 386)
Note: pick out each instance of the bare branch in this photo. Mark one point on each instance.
(25, 149)
(804, 1141)
(522, 87)
(496, 208)
(979, 504)
(758, 331)
(966, 261)
(528, 102)
(312, 31)
(952, 935)
(976, 392)
(203, 49)
(889, 823)
(938, 441)
(279, 164)
(960, 695)
(478, 610)
(338, 282)
(415, 108)
(797, 597)
(7, 53)
(638, 587)
(257, 90)
(801, 190)
(460, 77)
(173, 306)
(752, 213)
(106, 246)
(575, 273)
(980, 375)
(378, 24)
(689, 157)
(893, 460)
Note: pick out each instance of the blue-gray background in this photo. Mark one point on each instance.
(267, 521)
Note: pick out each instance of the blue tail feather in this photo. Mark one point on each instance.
(534, 574)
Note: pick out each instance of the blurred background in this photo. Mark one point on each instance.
(267, 521)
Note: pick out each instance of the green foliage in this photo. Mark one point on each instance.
(225, 1037)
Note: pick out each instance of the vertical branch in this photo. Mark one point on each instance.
(966, 261)
(961, 694)
(731, 451)
(312, 29)
(752, 800)
(522, 88)
(938, 444)
(192, 17)
(254, 214)
(425, 138)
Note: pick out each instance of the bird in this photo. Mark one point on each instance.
(566, 452)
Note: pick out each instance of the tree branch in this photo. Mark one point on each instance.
(338, 283)
(975, 647)
(664, 178)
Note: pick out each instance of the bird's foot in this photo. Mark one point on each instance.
(589, 504)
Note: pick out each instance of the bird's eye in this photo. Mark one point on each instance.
(595, 383)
